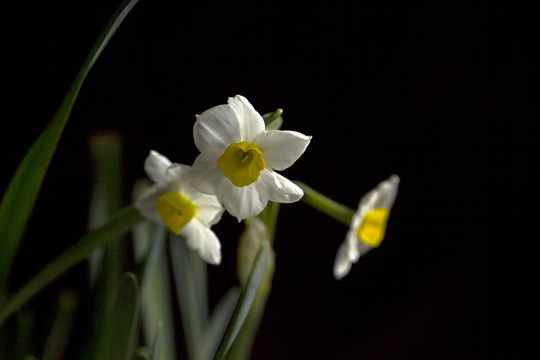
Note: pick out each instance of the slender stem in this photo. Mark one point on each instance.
(269, 217)
(120, 223)
(326, 205)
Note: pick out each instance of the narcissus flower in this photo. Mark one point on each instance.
(238, 158)
(368, 225)
(172, 200)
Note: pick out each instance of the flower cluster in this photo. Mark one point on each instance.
(234, 172)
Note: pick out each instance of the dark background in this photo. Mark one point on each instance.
(437, 94)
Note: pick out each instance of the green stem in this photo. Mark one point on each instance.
(269, 217)
(326, 205)
(120, 223)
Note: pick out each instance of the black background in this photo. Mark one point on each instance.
(437, 94)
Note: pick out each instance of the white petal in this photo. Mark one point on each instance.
(382, 196)
(241, 202)
(217, 127)
(156, 166)
(179, 176)
(275, 187)
(209, 209)
(251, 122)
(146, 203)
(353, 244)
(342, 263)
(281, 148)
(200, 238)
(363, 249)
(206, 175)
(387, 192)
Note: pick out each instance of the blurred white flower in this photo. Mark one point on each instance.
(368, 225)
(172, 200)
(238, 158)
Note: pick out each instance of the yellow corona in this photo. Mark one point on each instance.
(372, 229)
(176, 211)
(242, 163)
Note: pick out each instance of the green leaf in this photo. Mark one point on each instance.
(120, 333)
(23, 337)
(156, 344)
(107, 264)
(119, 224)
(156, 305)
(142, 353)
(258, 229)
(244, 304)
(191, 288)
(255, 234)
(59, 334)
(22, 191)
(217, 324)
(143, 232)
(105, 200)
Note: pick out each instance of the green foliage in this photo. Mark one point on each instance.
(191, 288)
(119, 224)
(22, 191)
(119, 333)
(245, 302)
(156, 306)
(120, 311)
(58, 337)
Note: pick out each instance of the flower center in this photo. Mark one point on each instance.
(372, 229)
(175, 211)
(242, 163)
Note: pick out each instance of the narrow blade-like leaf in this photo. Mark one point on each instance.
(190, 276)
(22, 192)
(105, 200)
(246, 301)
(120, 332)
(119, 224)
(217, 324)
(156, 305)
(58, 337)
